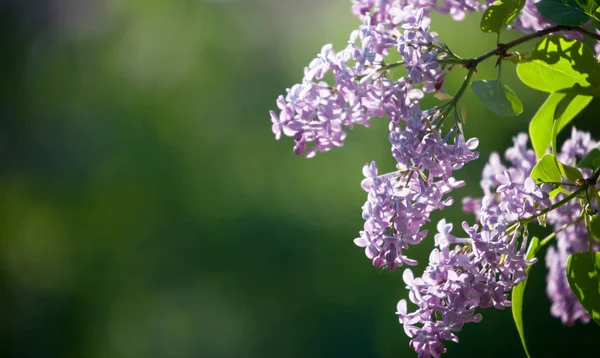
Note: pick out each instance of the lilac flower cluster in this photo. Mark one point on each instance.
(479, 270)
(464, 273)
(317, 112)
(569, 240)
(529, 19)
(399, 203)
(381, 9)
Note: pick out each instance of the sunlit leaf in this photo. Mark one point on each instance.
(518, 292)
(565, 102)
(583, 274)
(498, 97)
(558, 64)
(595, 227)
(501, 13)
(569, 172)
(540, 127)
(546, 170)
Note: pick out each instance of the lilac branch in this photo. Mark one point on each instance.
(550, 237)
(502, 49)
(555, 205)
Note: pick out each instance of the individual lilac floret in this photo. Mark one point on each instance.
(570, 240)
(316, 113)
(466, 273)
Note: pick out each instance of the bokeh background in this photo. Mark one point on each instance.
(147, 211)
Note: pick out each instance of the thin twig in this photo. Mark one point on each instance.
(549, 238)
(502, 49)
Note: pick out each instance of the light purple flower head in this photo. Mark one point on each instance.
(500, 178)
(317, 113)
(479, 270)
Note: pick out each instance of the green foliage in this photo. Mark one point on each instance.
(569, 172)
(498, 97)
(518, 292)
(565, 102)
(500, 14)
(540, 127)
(590, 7)
(557, 65)
(592, 159)
(595, 227)
(563, 12)
(583, 270)
(546, 170)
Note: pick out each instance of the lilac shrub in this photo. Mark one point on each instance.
(480, 268)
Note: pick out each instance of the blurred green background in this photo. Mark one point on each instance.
(147, 210)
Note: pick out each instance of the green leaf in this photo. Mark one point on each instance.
(557, 64)
(562, 12)
(569, 172)
(591, 160)
(564, 103)
(498, 97)
(519, 290)
(546, 170)
(595, 227)
(553, 135)
(540, 127)
(595, 195)
(583, 274)
(560, 189)
(589, 8)
(501, 13)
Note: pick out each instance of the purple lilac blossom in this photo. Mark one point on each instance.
(382, 10)
(529, 19)
(479, 270)
(315, 113)
(572, 239)
(400, 203)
